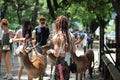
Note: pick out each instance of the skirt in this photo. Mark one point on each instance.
(65, 69)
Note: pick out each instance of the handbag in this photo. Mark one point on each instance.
(6, 47)
(73, 67)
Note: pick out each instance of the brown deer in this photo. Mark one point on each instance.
(51, 57)
(90, 57)
(35, 65)
(83, 62)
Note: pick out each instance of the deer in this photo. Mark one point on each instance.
(90, 57)
(35, 65)
(51, 57)
(83, 63)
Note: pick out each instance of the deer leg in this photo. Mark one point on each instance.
(84, 75)
(90, 71)
(81, 74)
(41, 77)
(76, 75)
(51, 71)
(29, 78)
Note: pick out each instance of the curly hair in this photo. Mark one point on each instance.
(62, 25)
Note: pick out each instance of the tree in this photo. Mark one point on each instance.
(35, 11)
(116, 5)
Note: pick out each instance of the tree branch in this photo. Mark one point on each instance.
(51, 10)
(116, 5)
(56, 5)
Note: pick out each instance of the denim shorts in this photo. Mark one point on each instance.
(39, 49)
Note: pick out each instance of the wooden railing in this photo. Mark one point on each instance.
(110, 72)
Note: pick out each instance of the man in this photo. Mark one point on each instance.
(41, 34)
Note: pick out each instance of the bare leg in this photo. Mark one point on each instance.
(7, 57)
(60, 71)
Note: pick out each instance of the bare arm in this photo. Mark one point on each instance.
(17, 38)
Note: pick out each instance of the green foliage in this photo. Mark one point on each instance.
(81, 11)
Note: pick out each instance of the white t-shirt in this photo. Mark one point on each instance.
(85, 40)
(19, 34)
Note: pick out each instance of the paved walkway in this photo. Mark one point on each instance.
(96, 74)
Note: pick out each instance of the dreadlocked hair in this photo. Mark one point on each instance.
(62, 25)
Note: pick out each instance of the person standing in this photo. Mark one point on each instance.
(63, 42)
(41, 34)
(41, 37)
(24, 33)
(85, 41)
(6, 48)
(90, 40)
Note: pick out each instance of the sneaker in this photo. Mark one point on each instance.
(5, 77)
(10, 77)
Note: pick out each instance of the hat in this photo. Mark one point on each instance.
(42, 18)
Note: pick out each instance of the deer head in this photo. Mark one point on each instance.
(21, 50)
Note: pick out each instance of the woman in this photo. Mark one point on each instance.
(63, 42)
(6, 48)
(24, 33)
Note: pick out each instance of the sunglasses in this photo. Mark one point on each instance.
(4, 24)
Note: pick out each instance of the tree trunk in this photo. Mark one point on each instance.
(19, 12)
(51, 10)
(35, 11)
(101, 45)
(116, 5)
(103, 23)
(93, 26)
(19, 17)
(118, 42)
(55, 4)
(4, 9)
